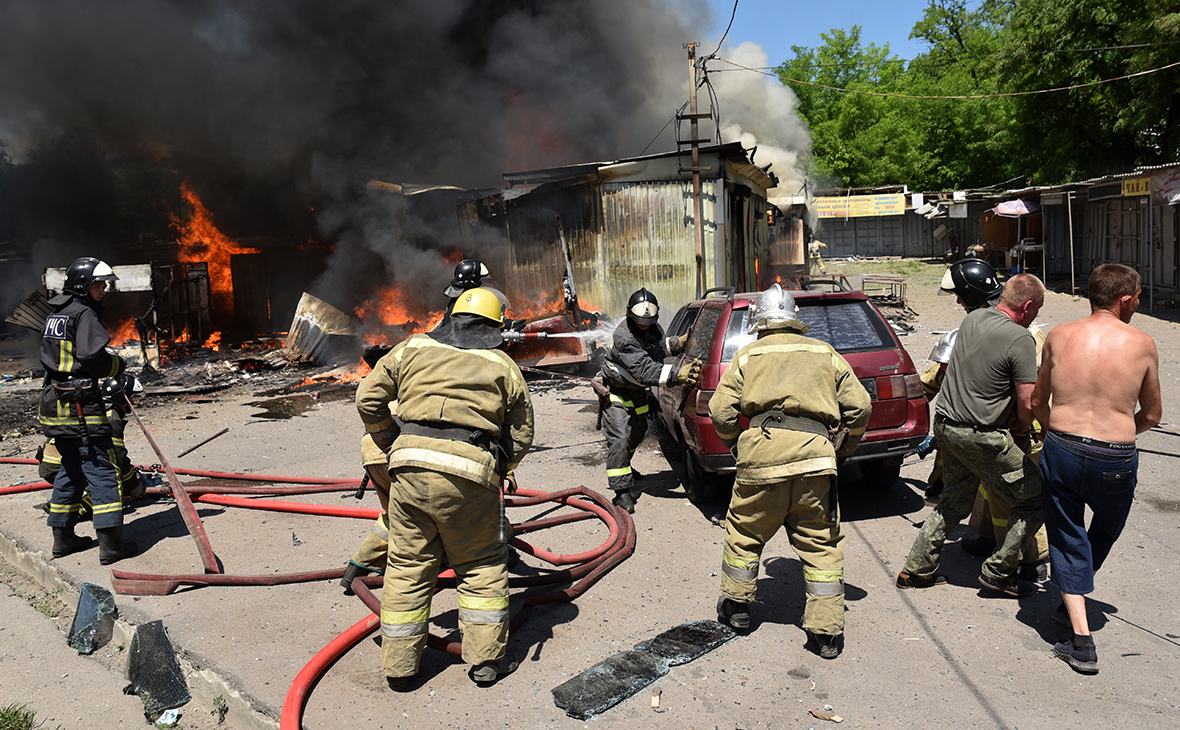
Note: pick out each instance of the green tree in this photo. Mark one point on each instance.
(1093, 128)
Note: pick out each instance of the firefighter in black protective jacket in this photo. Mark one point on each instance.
(634, 361)
(72, 412)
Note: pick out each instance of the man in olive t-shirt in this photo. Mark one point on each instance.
(985, 400)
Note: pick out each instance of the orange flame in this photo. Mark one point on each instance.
(200, 240)
(214, 342)
(388, 307)
(125, 333)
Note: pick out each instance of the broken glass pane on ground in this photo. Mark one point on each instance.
(154, 671)
(94, 619)
(618, 677)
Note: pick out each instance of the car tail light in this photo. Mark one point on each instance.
(899, 386)
(703, 397)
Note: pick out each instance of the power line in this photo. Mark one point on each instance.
(726, 33)
(962, 96)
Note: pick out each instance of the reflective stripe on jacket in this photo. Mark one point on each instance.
(73, 344)
(787, 372)
(439, 383)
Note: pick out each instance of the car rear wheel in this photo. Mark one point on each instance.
(881, 473)
(699, 485)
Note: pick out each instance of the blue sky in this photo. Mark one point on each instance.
(777, 25)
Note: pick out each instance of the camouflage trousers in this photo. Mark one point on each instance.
(972, 455)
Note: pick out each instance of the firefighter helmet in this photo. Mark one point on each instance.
(942, 350)
(468, 275)
(482, 302)
(643, 308)
(972, 280)
(776, 309)
(113, 390)
(81, 274)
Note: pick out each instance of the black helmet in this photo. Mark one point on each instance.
(114, 388)
(643, 307)
(468, 275)
(972, 280)
(84, 272)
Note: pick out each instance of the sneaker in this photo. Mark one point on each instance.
(979, 546)
(933, 492)
(905, 580)
(1034, 572)
(827, 645)
(1083, 659)
(487, 673)
(1009, 586)
(624, 501)
(734, 614)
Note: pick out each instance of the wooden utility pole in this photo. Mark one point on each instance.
(699, 233)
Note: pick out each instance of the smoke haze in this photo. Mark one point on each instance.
(327, 95)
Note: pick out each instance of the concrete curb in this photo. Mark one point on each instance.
(245, 712)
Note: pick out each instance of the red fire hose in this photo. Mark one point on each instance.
(582, 569)
(619, 546)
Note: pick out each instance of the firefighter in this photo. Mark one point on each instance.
(132, 483)
(467, 420)
(634, 361)
(72, 413)
(373, 554)
(806, 408)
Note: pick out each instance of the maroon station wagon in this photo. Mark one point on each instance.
(845, 319)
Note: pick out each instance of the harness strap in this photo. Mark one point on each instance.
(790, 422)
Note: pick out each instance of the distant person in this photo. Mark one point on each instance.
(983, 404)
(1093, 374)
(799, 395)
(816, 264)
(72, 412)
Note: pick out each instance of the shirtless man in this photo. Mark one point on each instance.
(1094, 371)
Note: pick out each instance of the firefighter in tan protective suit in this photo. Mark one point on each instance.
(806, 407)
(373, 553)
(466, 421)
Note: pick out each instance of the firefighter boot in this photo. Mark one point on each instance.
(351, 573)
(826, 645)
(65, 542)
(624, 500)
(488, 672)
(733, 614)
(111, 548)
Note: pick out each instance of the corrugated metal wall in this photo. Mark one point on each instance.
(878, 236)
(647, 240)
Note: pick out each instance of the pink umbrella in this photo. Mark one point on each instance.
(1017, 208)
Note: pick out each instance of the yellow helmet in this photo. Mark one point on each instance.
(483, 302)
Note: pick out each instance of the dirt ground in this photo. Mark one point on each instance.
(944, 657)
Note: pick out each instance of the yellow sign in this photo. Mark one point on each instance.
(859, 206)
(1136, 186)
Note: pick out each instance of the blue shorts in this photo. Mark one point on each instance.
(1077, 473)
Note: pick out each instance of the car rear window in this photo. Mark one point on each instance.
(846, 326)
(701, 340)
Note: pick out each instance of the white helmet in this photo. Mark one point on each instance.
(776, 309)
(942, 350)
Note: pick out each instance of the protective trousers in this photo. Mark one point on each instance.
(372, 554)
(90, 466)
(624, 423)
(801, 505)
(970, 456)
(991, 513)
(430, 513)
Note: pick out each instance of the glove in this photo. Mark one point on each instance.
(683, 340)
(384, 439)
(510, 482)
(689, 373)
